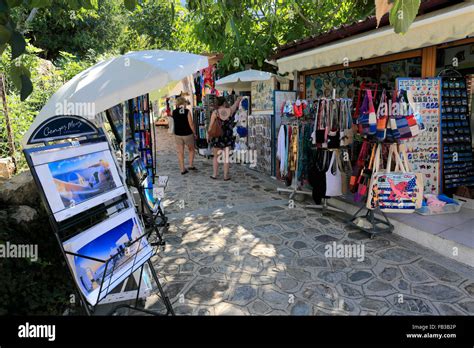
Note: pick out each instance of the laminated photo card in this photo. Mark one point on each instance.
(77, 178)
(115, 239)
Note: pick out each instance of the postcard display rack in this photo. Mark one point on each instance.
(96, 225)
(142, 130)
(201, 125)
(260, 141)
(150, 198)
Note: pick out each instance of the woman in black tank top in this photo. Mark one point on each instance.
(184, 133)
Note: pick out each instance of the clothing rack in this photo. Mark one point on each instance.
(294, 189)
(325, 206)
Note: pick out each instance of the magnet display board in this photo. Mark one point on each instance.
(424, 150)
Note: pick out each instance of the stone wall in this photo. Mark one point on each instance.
(20, 203)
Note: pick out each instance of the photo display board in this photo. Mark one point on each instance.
(262, 95)
(260, 140)
(424, 150)
(107, 254)
(76, 178)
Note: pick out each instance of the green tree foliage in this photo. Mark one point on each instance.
(46, 77)
(59, 28)
(250, 29)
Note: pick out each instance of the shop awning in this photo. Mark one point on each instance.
(452, 23)
(242, 80)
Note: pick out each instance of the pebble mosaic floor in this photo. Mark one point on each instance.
(238, 248)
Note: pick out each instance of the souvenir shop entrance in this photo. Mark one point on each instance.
(433, 128)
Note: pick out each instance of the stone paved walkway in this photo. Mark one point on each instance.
(237, 248)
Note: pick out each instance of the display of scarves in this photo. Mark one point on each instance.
(304, 152)
(293, 151)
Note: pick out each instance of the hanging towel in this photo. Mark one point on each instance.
(281, 149)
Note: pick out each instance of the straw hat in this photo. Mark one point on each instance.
(181, 101)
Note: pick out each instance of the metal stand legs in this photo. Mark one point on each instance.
(374, 225)
(166, 301)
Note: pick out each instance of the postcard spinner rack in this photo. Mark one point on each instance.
(68, 228)
(142, 130)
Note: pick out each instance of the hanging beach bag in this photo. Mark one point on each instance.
(357, 168)
(334, 137)
(333, 176)
(372, 115)
(373, 192)
(382, 117)
(364, 179)
(419, 176)
(403, 122)
(321, 134)
(346, 171)
(367, 120)
(346, 133)
(363, 119)
(398, 191)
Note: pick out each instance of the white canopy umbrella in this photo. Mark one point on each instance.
(242, 80)
(115, 80)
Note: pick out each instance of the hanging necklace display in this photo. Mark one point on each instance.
(334, 140)
(347, 133)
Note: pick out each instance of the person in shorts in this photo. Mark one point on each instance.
(184, 133)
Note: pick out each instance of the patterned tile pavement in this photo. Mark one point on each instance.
(238, 248)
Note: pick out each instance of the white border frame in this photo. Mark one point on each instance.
(40, 161)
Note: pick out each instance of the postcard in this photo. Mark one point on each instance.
(115, 239)
(77, 178)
